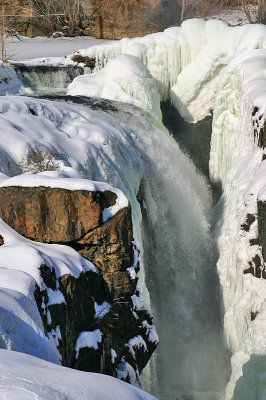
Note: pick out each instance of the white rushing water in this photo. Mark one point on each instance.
(179, 262)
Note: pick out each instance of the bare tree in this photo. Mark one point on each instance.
(40, 159)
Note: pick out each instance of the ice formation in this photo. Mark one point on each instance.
(200, 66)
(186, 61)
(237, 162)
(124, 79)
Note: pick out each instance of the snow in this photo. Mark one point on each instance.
(236, 16)
(126, 372)
(101, 309)
(136, 342)
(55, 297)
(22, 254)
(70, 184)
(23, 48)
(139, 302)
(123, 79)
(26, 377)
(88, 339)
(151, 332)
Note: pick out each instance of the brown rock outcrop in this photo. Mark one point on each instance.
(75, 218)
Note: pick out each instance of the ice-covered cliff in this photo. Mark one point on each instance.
(204, 66)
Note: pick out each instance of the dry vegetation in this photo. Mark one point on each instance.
(204, 8)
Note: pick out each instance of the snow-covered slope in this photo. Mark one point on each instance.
(26, 377)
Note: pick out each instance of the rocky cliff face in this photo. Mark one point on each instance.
(98, 321)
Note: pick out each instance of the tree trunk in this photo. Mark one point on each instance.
(262, 11)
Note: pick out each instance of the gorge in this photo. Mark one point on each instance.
(119, 138)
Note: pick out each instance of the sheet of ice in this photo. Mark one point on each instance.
(89, 339)
(26, 377)
(124, 79)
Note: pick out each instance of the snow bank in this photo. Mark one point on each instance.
(27, 377)
(237, 162)
(123, 79)
(186, 61)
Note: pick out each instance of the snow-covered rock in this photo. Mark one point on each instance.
(124, 79)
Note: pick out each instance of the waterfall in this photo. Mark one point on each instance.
(180, 267)
(48, 77)
(120, 145)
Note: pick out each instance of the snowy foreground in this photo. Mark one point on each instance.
(24, 377)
